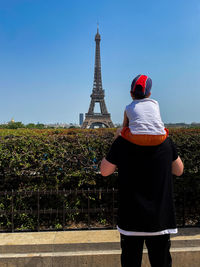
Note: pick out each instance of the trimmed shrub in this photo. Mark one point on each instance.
(45, 160)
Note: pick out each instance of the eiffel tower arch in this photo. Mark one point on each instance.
(101, 119)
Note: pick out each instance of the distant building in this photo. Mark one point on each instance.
(80, 119)
(62, 125)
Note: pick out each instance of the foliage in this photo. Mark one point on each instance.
(54, 159)
(188, 145)
(19, 125)
(70, 158)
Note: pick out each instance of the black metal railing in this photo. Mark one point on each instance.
(58, 209)
(82, 209)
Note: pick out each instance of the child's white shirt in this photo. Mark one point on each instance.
(144, 117)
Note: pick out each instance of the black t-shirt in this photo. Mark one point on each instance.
(145, 185)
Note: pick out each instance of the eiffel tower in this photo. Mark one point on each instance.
(102, 119)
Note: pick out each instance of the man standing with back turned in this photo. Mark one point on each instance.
(146, 209)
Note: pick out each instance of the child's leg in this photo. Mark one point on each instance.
(118, 132)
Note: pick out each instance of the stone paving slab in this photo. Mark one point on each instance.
(111, 258)
(89, 236)
(59, 241)
(81, 237)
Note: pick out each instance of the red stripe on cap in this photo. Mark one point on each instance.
(141, 81)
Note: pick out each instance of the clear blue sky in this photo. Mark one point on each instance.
(47, 54)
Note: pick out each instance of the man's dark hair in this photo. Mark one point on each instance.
(138, 92)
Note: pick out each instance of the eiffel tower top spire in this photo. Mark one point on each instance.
(98, 35)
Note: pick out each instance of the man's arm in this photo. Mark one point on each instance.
(106, 167)
(177, 167)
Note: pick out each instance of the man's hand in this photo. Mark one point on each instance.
(106, 167)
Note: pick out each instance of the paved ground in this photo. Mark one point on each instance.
(81, 237)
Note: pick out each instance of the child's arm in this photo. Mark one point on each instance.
(126, 121)
(125, 124)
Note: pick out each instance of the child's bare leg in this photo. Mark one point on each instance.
(118, 132)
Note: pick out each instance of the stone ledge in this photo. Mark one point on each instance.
(81, 241)
(85, 253)
(86, 249)
(109, 258)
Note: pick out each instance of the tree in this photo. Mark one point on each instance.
(15, 125)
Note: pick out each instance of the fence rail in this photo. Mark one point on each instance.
(57, 209)
(80, 209)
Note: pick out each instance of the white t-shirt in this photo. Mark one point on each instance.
(144, 117)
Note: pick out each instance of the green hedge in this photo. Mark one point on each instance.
(58, 159)
(53, 159)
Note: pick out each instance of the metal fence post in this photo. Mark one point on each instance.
(63, 224)
(38, 210)
(12, 212)
(88, 208)
(113, 207)
(184, 200)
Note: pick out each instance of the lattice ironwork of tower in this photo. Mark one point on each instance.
(101, 119)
